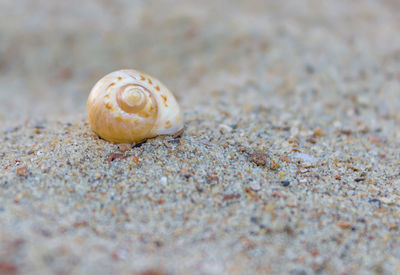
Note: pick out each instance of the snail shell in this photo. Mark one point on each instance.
(129, 106)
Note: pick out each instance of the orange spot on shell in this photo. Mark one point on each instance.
(146, 115)
(123, 119)
(119, 78)
(157, 88)
(168, 124)
(165, 100)
(149, 80)
(109, 106)
(142, 77)
(112, 84)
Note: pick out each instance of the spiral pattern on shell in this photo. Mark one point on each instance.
(129, 106)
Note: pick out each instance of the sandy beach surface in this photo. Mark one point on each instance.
(289, 164)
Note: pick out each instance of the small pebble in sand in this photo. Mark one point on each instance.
(242, 149)
(311, 140)
(164, 181)
(346, 132)
(123, 147)
(225, 128)
(255, 186)
(22, 171)
(135, 159)
(114, 156)
(230, 197)
(259, 158)
(344, 224)
(375, 201)
(318, 132)
(285, 183)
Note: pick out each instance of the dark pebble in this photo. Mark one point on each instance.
(285, 183)
(362, 220)
(359, 179)
(254, 219)
(375, 201)
(137, 145)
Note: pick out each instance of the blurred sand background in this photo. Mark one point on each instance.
(312, 85)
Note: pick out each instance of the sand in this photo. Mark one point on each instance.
(290, 159)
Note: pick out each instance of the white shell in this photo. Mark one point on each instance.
(129, 106)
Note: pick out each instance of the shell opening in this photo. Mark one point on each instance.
(131, 98)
